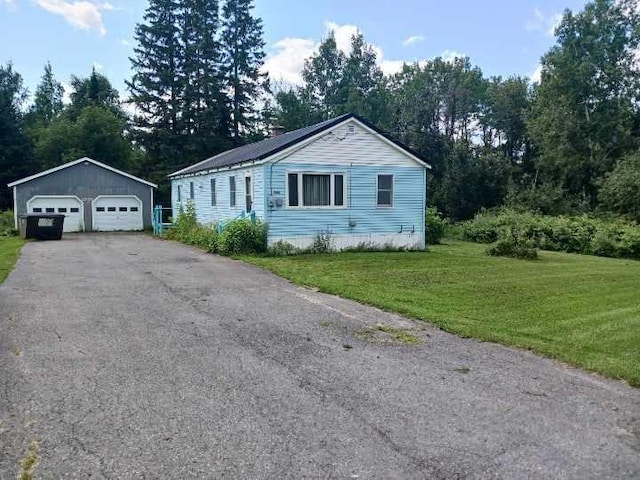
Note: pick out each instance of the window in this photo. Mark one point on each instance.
(232, 191)
(62, 210)
(75, 210)
(111, 209)
(191, 191)
(385, 190)
(99, 209)
(37, 210)
(316, 189)
(122, 209)
(133, 209)
(179, 193)
(213, 192)
(248, 190)
(50, 210)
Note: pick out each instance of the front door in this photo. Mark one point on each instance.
(248, 194)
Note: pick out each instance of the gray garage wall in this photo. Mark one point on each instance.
(86, 181)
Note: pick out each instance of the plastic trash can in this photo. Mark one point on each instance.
(41, 226)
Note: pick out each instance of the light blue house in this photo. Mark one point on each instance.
(342, 178)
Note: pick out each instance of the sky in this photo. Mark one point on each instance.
(502, 37)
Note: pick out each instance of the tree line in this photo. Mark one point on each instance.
(566, 144)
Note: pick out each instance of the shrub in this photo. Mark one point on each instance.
(435, 226)
(321, 244)
(7, 224)
(243, 236)
(514, 243)
(580, 234)
(282, 249)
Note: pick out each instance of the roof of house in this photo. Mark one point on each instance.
(266, 148)
(76, 162)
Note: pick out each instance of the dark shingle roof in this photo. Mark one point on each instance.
(270, 146)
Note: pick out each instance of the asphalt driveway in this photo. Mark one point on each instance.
(128, 357)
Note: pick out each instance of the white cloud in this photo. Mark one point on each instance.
(451, 55)
(536, 75)
(84, 15)
(98, 66)
(287, 59)
(124, 42)
(545, 23)
(413, 40)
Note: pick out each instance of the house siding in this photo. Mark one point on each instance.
(85, 181)
(401, 225)
(222, 211)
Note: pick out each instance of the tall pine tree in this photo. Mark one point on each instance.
(205, 105)
(47, 103)
(243, 48)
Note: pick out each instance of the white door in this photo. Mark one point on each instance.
(70, 207)
(117, 212)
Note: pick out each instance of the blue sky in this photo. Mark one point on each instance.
(502, 37)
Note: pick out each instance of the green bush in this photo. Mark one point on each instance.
(282, 248)
(243, 236)
(7, 224)
(321, 244)
(581, 234)
(435, 226)
(513, 242)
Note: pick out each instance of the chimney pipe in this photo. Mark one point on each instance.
(276, 130)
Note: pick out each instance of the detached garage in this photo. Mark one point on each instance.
(93, 196)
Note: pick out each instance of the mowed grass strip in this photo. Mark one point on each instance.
(581, 309)
(9, 249)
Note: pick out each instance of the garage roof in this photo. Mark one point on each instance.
(76, 162)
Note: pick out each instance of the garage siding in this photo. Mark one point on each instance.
(86, 181)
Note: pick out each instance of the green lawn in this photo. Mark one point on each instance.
(9, 249)
(581, 309)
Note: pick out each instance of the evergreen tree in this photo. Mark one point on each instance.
(15, 148)
(243, 49)
(156, 88)
(205, 105)
(93, 91)
(48, 98)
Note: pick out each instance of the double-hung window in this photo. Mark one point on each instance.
(192, 192)
(179, 193)
(213, 192)
(232, 191)
(385, 191)
(316, 189)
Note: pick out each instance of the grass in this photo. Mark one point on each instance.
(580, 309)
(9, 249)
(29, 462)
(396, 335)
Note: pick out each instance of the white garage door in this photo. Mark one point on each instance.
(117, 212)
(70, 207)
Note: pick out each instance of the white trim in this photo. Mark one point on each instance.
(153, 209)
(37, 197)
(250, 177)
(294, 148)
(393, 190)
(332, 187)
(93, 217)
(15, 208)
(76, 162)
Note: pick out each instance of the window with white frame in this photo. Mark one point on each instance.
(315, 189)
(179, 193)
(232, 191)
(192, 192)
(213, 192)
(385, 190)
